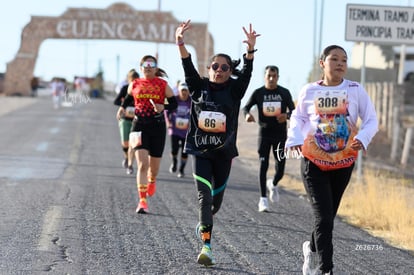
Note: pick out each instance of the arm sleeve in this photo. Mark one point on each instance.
(118, 100)
(368, 115)
(127, 101)
(192, 78)
(172, 103)
(249, 104)
(298, 121)
(244, 78)
(122, 93)
(290, 105)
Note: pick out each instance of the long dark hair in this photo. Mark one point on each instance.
(159, 72)
(231, 62)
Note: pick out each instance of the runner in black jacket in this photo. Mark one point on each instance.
(213, 127)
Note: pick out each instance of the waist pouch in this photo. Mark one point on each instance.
(149, 120)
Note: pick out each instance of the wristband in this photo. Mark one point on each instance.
(252, 51)
(180, 43)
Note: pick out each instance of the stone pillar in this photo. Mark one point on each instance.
(19, 71)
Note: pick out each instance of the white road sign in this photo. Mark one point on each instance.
(380, 24)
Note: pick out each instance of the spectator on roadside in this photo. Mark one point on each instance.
(274, 106)
(323, 128)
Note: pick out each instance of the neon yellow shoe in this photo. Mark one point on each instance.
(206, 257)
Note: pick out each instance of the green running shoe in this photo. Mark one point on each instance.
(206, 257)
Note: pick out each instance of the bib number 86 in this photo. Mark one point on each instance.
(214, 122)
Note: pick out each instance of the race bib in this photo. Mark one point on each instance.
(272, 108)
(129, 112)
(181, 123)
(331, 102)
(212, 122)
(135, 139)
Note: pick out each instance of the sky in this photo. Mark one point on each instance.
(288, 38)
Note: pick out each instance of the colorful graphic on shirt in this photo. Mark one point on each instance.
(329, 146)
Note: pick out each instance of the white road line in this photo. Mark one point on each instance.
(54, 130)
(41, 147)
(50, 224)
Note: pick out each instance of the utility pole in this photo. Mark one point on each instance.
(320, 27)
(117, 68)
(317, 50)
(157, 45)
(312, 78)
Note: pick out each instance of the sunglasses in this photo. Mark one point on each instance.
(224, 67)
(149, 64)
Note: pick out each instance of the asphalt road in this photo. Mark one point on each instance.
(67, 207)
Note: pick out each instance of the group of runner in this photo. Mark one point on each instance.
(202, 120)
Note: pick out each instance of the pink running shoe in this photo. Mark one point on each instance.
(142, 207)
(151, 187)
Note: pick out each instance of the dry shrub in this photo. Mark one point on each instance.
(383, 206)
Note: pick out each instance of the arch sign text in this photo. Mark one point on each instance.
(118, 21)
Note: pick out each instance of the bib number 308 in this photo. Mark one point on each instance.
(331, 102)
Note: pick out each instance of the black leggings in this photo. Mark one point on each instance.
(210, 177)
(325, 190)
(278, 145)
(177, 143)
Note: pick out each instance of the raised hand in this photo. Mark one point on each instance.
(251, 37)
(179, 33)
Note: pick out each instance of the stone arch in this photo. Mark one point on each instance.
(118, 21)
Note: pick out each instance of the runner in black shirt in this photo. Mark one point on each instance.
(274, 106)
(125, 123)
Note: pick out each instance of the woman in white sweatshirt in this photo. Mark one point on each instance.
(323, 128)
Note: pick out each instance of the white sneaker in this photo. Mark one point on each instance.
(310, 266)
(263, 204)
(273, 191)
